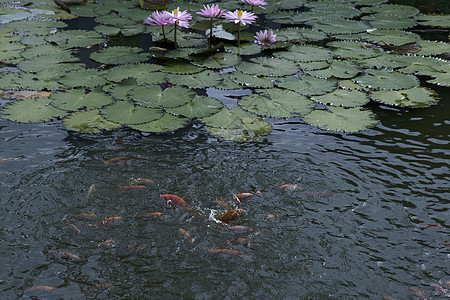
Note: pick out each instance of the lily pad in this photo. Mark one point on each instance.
(299, 35)
(31, 111)
(252, 130)
(417, 97)
(386, 61)
(154, 96)
(403, 11)
(355, 50)
(125, 112)
(89, 121)
(252, 80)
(307, 85)
(75, 99)
(245, 49)
(391, 37)
(340, 119)
(179, 66)
(338, 69)
(218, 61)
(143, 73)
(75, 38)
(199, 80)
(119, 55)
(305, 53)
(263, 66)
(88, 78)
(343, 98)
(386, 80)
(388, 21)
(434, 20)
(167, 123)
(227, 118)
(276, 103)
(341, 26)
(199, 107)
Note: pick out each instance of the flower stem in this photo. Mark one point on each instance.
(239, 34)
(175, 36)
(210, 33)
(164, 34)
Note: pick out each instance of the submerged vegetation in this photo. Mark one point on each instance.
(325, 61)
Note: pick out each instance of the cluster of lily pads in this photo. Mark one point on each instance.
(330, 59)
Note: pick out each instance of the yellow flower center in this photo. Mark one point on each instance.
(175, 11)
(239, 14)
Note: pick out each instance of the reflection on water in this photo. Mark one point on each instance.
(369, 216)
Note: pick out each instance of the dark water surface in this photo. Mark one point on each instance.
(356, 228)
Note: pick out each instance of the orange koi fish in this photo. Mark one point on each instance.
(185, 234)
(231, 215)
(227, 252)
(139, 180)
(290, 187)
(240, 242)
(115, 159)
(131, 188)
(84, 216)
(39, 288)
(74, 228)
(242, 196)
(418, 293)
(222, 204)
(241, 229)
(109, 221)
(441, 290)
(173, 200)
(429, 226)
(151, 215)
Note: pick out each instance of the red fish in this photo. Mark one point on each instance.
(109, 221)
(131, 188)
(151, 215)
(231, 215)
(185, 234)
(74, 228)
(227, 252)
(242, 196)
(290, 187)
(173, 200)
(40, 288)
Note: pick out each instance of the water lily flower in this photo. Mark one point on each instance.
(240, 17)
(160, 19)
(254, 3)
(265, 38)
(180, 19)
(210, 12)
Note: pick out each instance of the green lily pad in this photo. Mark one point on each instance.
(252, 80)
(386, 80)
(199, 107)
(434, 20)
(385, 61)
(119, 55)
(417, 97)
(252, 130)
(422, 65)
(154, 96)
(307, 85)
(355, 50)
(391, 37)
(341, 26)
(75, 99)
(245, 49)
(120, 90)
(392, 9)
(342, 119)
(89, 121)
(179, 66)
(433, 48)
(343, 98)
(75, 38)
(263, 66)
(167, 123)
(125, 112)
(199, 80)
(46, 49)
(218, 61)
(227, 118)
(49, 61)
(276, 103)
(88, 78)
(388, 21)
(298, 35)
(31, 111)
(143, 73)
(338, 69)
(35, 27)
(305, 53)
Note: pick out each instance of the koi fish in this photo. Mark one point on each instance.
(66, 256)
(74, 228)
(84, 216)
(241, 229)
(131, 188)
(227, 252)
(173, 200)
(240, 242)
(222, 204)
(270, 217)
(231, 215)
(109, 221)
(441, 290)
(241, 196)
(151, 215)
(429, 225)
(418, 293)
(115, 159)
(185, 234)
(290, 187)
(91, 190)
(139, 180)
(5, 160)
(39, 288)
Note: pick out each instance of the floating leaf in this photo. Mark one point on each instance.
(114, 20)
(49, 61)
(31, 111)
(417, 97)
(196, 81)
(220, 33)
(35, 27)
(391, 37)
(127, 113)
(119, 55)
(341, 26)
(386, 80)
(388, 21)
(338, 69)
(276, 103)
(252, 80)
(385, 61)
(143, 73)
(167, 123)
(263, 66)
(344, 98)
(252, 130)
(245, 49)
(393, 9)
(355, 50)
(121, 89)
(307, 85)
(422, 65)
(154, 96)
(433, 48)
(75, 38)
(199, 107)
(46, 49)
(75, 99)
(218, 61)
(83, 78)
(227, 118)
(181, 67)
(88, 122)
(434, 20)
(342, 119)
(299, 35)
(313, 65)
(305, 53)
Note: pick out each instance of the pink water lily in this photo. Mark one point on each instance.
(240, 17)
(265, 38)
(180, 19)
(254, 3)
(160, 19)
(210, 12)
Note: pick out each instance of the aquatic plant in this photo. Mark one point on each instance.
(211, 11)
(240, 17)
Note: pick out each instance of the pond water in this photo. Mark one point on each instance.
(368, 217)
